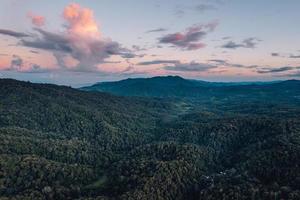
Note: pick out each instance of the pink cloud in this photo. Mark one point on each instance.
(37, 20)
(16, 63)
(81, 40)
(80, 21)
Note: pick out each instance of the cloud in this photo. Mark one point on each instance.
(228, 64)
(138, 48)
(220, 61)
(226, 38)
(231, 45)
(294, 56)
(181, 10)
(80, 21)
(156, 62)
(176, 65)
(48, 41)
(129, 55)
(190, 67)
(35, 52)
(36, 20)
(275, 54)
(156, 30)
(246, 43)
(276, 70)
(191, 38)
(250, 42)
(34, 68)
(257, 68)
(285, 56)
(204, 7)
(80, 40)
(13, 33)
(16, 63)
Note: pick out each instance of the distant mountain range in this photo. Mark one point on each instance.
(178, 87)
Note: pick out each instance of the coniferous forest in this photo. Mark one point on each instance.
(160, 138)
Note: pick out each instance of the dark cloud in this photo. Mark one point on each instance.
(181, 10)
(88, 52)
(256, 68)
(232, 45)
(275, 54)
(13, 33)
(35, 52)
(156, 62)
(228, 64)
(176, 65)
(250, 42)
(276, 70)
(294, 56)
(48, 41)
(204, 7)
(226, 38)
(218, 61)
(247, 43)
(191, 38)
(190, 67)
(138, 48)
(16, 63)
(128, 55)
(157, 30)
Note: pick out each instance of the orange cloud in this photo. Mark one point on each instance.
(81, 21)
(37, 20)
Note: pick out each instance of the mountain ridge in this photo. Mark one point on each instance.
(178, 87)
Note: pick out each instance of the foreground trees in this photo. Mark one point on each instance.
(61, 143)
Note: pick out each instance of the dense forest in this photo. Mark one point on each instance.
(164, 138)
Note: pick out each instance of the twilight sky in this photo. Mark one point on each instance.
(86, 41)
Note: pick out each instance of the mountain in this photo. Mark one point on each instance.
(58, 142)
(69, 111)
(170, 86)
(177, 87)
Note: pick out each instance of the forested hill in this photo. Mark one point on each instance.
(175, 86)
(57, 142)
(72, 112)
(170, 86)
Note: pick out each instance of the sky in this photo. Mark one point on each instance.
(81, 42)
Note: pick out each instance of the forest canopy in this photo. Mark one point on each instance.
(228, 142)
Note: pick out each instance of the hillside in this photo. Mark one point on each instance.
(177, 87)
(57, 142)
(170, 86)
